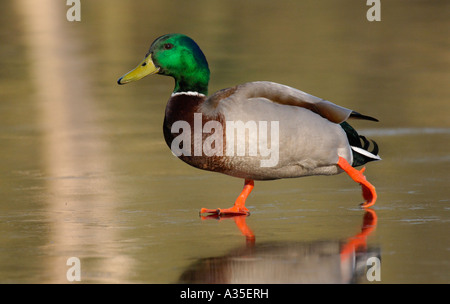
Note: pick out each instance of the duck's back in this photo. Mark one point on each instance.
(259, 139)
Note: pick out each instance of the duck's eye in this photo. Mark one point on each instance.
(168, 46)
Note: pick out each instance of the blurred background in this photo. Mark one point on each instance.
(85, 171)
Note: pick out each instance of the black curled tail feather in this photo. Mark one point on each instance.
(360, 146)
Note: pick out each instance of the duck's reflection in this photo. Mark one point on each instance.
(290, 262)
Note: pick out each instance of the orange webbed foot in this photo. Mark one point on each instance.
(239, 206)
(368, 190)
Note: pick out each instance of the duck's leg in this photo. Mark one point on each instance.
(239, 204)
(368, 190)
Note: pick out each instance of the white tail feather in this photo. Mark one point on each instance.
(365, 153)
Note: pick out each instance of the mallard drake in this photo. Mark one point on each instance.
(254, 131)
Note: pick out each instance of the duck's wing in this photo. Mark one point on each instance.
(285, 95)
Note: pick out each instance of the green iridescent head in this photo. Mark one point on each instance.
(178, 56)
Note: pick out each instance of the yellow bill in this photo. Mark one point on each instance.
(146, 67)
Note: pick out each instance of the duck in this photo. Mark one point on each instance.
(256, 131)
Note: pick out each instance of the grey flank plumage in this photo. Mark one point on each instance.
(311, 138)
